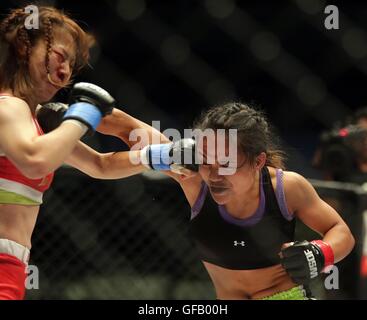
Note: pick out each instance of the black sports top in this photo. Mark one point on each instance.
(241, 244)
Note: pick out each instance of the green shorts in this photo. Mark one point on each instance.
(296, 293)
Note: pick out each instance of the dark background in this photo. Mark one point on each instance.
(168, 61)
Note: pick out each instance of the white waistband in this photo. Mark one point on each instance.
(21, 189)
(15, 249)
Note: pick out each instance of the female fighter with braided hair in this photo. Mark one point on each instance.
(34, 65)
(243, 223)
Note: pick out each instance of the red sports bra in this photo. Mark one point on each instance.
(12, 181)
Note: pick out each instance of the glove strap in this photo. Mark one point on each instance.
(84, 112)
(78, 124)
(156, 156)
(145, 157)
(327, 252)
(160, 156)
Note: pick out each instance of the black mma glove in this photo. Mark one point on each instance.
(88, 104)
(171, 156)
(50, 115)
(305, 260)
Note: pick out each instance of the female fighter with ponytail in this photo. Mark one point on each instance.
(243, 222)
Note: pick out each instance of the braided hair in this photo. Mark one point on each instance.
(253, 131)
(17, 42)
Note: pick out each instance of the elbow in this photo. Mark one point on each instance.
(349, 238)
(98, 171)
(351, 241)
(35, 168)
(349, 244)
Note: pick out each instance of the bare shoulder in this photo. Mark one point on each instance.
(291, 185)
(16, 126)
(290, 179)
(14, 101)
(12, 106)
(295, 180)
(297, 189)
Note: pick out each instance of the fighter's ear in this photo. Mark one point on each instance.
(260, 161)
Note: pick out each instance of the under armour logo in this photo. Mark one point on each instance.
(237, 243)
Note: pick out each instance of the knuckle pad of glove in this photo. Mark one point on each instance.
(302, 261)
(292, 250)
(299, 276)
(90, 93)
(296, 248)
(293, 262)
(300, 280)
(298, 273)
(183, 152)
(50, 116)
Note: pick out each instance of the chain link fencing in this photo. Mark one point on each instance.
(121, 239)
(128, 239)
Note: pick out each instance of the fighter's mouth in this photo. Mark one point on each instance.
(217, 189)
(59, 83)
(60, 77)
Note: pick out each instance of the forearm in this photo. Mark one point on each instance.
(341, 241)
(121, 125)
(117, 165)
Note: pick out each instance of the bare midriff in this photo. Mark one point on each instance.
(248, 284)
(17, 223)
